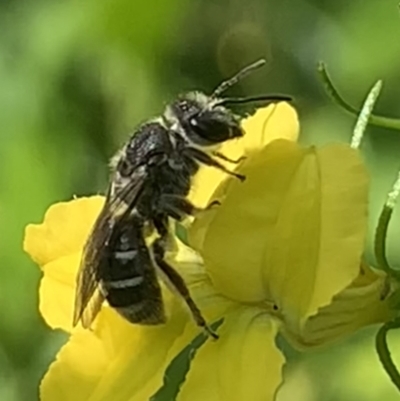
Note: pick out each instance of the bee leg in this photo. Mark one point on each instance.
(227, 159)
(210, 161)
(177, 206)
(171, 277)
(214, 203)
(176, 283)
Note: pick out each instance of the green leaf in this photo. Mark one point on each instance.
(181, 233)
(175, 374)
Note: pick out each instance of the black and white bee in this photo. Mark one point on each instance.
(151, 178)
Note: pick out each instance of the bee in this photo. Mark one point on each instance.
(150, 180)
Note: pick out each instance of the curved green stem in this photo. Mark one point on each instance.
(383, 351)
(382, 230)
(381, 344)
(379, 121)
(380, 239)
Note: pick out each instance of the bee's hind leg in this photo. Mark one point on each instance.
(173, 279)
(176, 283)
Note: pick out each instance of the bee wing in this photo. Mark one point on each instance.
(91, 310)
(88, 296)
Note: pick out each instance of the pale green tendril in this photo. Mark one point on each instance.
(394, 193)
(365, 115)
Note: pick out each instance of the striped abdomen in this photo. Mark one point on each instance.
(128, 277)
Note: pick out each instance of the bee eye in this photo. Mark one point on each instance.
(210, 127)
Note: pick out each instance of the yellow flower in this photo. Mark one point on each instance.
(282, 253)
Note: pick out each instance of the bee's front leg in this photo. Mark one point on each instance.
(227, 159)
(179, 207)
(208, 160)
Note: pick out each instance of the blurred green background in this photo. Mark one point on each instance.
(75, 79)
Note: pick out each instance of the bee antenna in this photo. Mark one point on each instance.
(237, 77)
(251, 99)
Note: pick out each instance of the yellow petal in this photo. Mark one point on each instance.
(56, 245)
(57, 291)
(77, 370)
(292, 233)
(277, 121)
(64, 230)
(232, 237)
(318, 239)
(137, 371)
(189, 265)
(244, 364)
(361, 304)
(267, 124)
(113, 362)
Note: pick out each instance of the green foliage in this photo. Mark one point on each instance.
(176, 372)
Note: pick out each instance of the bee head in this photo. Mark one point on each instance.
(205, 120)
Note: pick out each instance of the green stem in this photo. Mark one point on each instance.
(381, 344)
(381, 231)
(383, 351)
(380, 239)
(379, 121)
